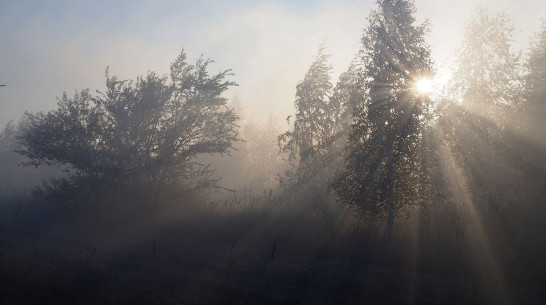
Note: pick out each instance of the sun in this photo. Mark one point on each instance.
(424, 86)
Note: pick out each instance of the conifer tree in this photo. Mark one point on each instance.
(312, 124)
(381, 163)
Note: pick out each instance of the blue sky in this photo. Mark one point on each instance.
(48, 47)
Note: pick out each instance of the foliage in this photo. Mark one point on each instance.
(480, 124)
(381, 166)
(6, 135)
(346, 96)
(8, 160)
(535, 90)
(312, 124)
(487, 79)
(144, 133)
(16, 180)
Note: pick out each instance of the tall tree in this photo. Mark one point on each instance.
(346, 95)
(381, 151)
(486, 90)
(487, 78)
(312, 124)
(146, 132)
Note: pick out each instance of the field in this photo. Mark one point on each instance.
(257, 249)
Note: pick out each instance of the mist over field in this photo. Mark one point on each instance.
(273, 152)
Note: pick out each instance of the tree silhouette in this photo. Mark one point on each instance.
(312, 124)
(381, 163)
(346, 95)
(143, 133)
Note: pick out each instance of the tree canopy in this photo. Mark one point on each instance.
(480, 122)
(312, 123)
(381, 165)
(145, 132)
(487, 77)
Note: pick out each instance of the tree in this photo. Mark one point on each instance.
(256, 161)
(261, 153)
(487, 78)
(345, 98)
(143, 133)
(9, 177)
(312, 124)
(381, 164)
(481, 123)
(16, 180)
(535, 79)
(530, 140)
(346, 95)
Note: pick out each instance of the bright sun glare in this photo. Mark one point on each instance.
(424, 86)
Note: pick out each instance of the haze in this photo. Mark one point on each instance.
(56, 46)
(273, 152)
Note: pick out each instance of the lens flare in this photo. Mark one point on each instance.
(424, 86)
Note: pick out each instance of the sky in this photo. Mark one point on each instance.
(51, 47)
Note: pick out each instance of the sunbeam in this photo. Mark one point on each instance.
(411, 168)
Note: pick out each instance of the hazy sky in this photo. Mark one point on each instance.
(48, 47)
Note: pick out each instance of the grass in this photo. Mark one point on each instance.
(247, 249)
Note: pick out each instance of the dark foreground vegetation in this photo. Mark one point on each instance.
(250, 252)
(389, 191)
